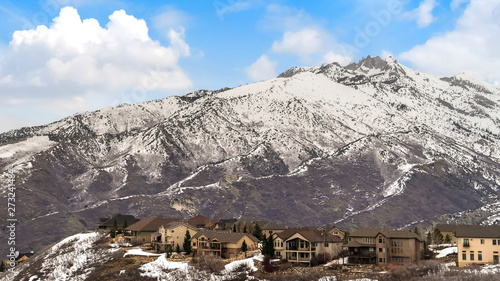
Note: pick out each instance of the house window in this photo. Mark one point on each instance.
(380, 260)
(482, 241)
(466, 243)
(380, 239)
(380, 250)
(498, 241)
(349, 239)
(172, 231)
(494, 242)
(194, 243)
(371, 249)
(480, 256)
(464, 255)
(471, 255)
(326, 244)
(281, 244)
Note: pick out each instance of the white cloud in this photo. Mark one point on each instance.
(423, 14)
(262, 69)
(301, 43)
(334, 57)
(385, 54)
(471, 47)
(457, 3)
(78, 61)
(171, 18)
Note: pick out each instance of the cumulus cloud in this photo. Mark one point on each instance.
(423, 13)
(457, 3)
(301, 43)
(470, 47)
(80, 62)
(303, 36)
(262, 69)
(335, 57)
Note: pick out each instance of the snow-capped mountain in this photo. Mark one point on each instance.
(372, 143)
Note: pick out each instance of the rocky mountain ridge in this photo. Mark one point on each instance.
(372, 143)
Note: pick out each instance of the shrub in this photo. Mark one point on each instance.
(212, 264)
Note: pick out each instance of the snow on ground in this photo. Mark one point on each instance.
(446, 251)
(156, 269)
(139, 252)
(337, 261)
(236, 264)
(71, 259)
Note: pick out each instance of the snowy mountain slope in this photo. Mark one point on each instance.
(370, 143)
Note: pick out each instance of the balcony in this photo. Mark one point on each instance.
(466, 245)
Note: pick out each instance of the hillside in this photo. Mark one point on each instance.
(372, 143)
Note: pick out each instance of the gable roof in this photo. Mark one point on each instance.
(199, 220)
(272, 226)
(120, 220)
(478, 231)
(388, 233)
(401, 234)
(175, 224)
(224, 236)
(311, 235)
(150, 224)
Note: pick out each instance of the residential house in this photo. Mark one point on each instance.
(201, 221)
(140, 232)
(381, 246)
(170, 235)
(121, 221)
(225, 244)
(336, 231)
(448, 230)
(477, 244)
(269, 228)
(300, 245)
(225, 224)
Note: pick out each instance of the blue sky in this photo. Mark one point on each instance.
(91, 54)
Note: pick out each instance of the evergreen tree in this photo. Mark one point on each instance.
(239, 227)
(447, 239)
(234, 227)
(187, 243)
(437, 236)
(267, 246)
(245, 229)
(244, 246)
(125, 224)
(415, 230)
(429, 238)
(257, 232)
(178, 249)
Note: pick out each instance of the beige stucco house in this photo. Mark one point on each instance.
(170, 235)
(225, 244)
(301, 245)
(477, 244)
(381, 246)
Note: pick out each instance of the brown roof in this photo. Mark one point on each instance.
(478, 231)
(199, 220)
(224, 236)
(174, 224)
(120, 220)
(150, 224)
(272, 226)
(447, 227)
(310, 235)
(366, 232)
(401, 234)
(373, 232)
